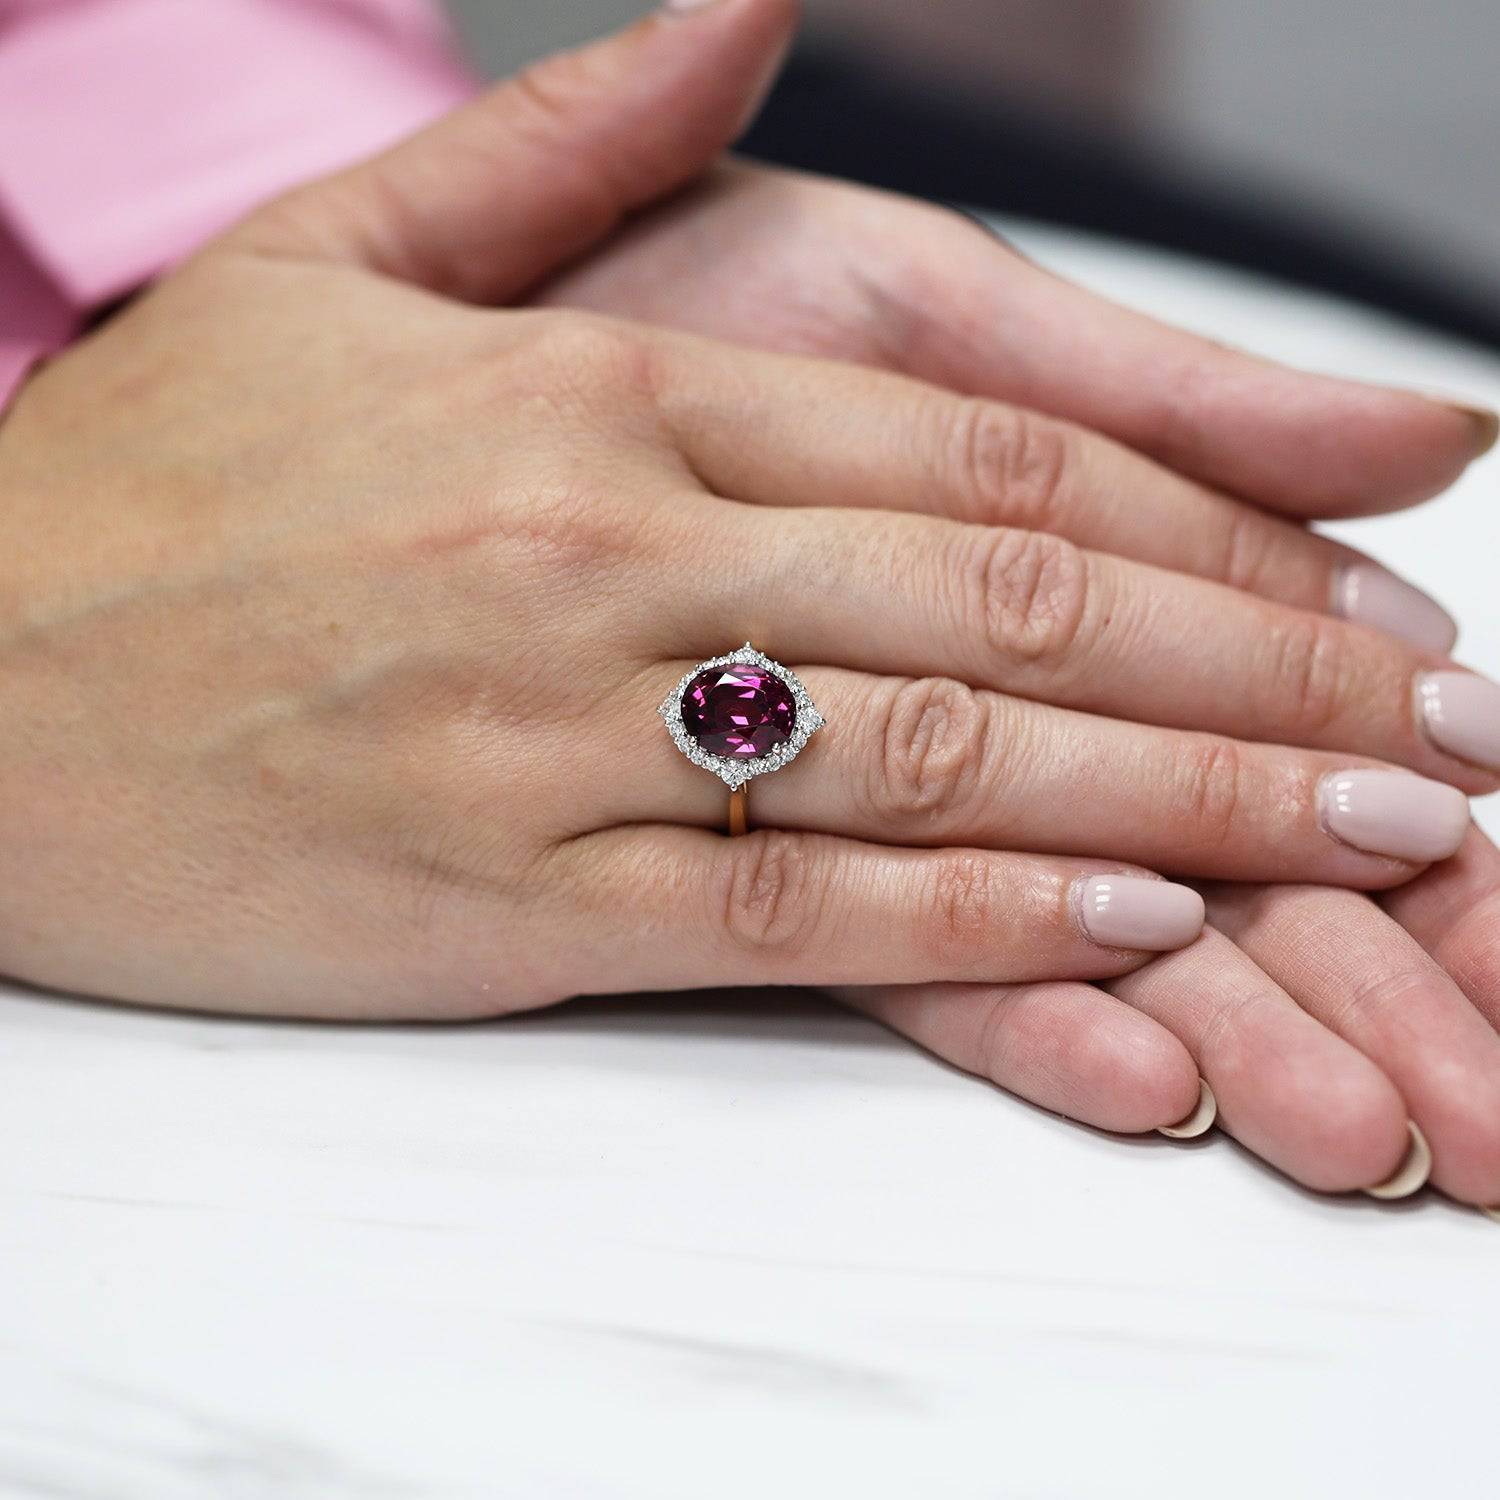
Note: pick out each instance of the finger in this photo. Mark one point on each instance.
(1453, 911)
(1353, 969)
(666, 907)
(932, 762)
(1300, 443)
(910, 287)
(1288, 1088)
(502, 192)
(1068, 1048)
(1030, 614)
(879, 442)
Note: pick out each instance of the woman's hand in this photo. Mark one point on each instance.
(1329, 1024)
(793, 263)
(336, 612)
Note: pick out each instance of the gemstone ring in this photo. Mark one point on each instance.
(740, 716)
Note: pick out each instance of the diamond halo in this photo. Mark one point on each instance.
(735, 773)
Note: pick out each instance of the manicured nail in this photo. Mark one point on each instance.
(1125, 911)
(1394, 814)
(1200, 1121)
(1486, 425)
(677, 7)
(1483, 422)
(1461, 714)
(1411, 1174)
(1369, 595)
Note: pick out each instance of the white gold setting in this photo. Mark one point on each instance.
(735, 773)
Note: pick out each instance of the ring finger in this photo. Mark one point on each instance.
(931, 762)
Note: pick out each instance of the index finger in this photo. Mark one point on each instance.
(995, 324)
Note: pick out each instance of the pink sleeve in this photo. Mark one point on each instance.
(132, 130)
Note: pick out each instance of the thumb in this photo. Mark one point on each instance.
(501, 193)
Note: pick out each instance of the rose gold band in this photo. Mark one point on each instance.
(739, 812)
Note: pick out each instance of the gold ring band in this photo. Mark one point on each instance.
(739, 812)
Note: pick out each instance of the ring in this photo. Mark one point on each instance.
(740, 716)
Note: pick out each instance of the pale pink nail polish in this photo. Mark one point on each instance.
(1369, 595)
(1125, 911)
(1486, 425)
(1394, 814)
(1461, 714)
(1483, 421)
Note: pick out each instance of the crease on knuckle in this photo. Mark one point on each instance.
(1377, 998)
(1214, 792)
(580, 537)
(546, 99)
(932, 752)
(995, 1042)
(1013, 465)
(1034, 593)
(962, 904)
(1309, 673)
(1246, 562)
(772, 902)
(1220, 1045)
(599, 362)
(1466, 941)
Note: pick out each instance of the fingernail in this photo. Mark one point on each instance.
(677, 7)
(1368, 594)
(1126, 911)
(1411, 1174)
(1461, 714)
(1394, 814)
(1483, 422)
(1200, 1121)
(1486, 425)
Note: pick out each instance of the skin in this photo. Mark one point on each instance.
(330, 805)
(1316, 1065)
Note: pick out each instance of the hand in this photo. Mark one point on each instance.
(1347, 1023)
(336, 611)
(782, 261)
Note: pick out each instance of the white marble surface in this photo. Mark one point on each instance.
(672, 1249)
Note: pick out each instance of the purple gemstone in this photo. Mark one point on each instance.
(739, 712)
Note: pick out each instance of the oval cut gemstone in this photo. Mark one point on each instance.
(740, 712)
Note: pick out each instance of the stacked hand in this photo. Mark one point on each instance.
(337, 592)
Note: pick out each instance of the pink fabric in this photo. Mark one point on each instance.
(133, 130)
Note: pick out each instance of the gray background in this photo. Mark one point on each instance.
(1378, 116)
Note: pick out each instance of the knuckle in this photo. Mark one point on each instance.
(1466, 939)
(590, 356)
(1213, 793)
(1248, 559)
(542, 118)
(932, 751)
(995, 1045)
(1012, 465)
(1308, 683)
(772, 899)
(578, 537)
(1240, 1011)
(962, 908)
(1033, 592)
(545, 96)
(1393, 992)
